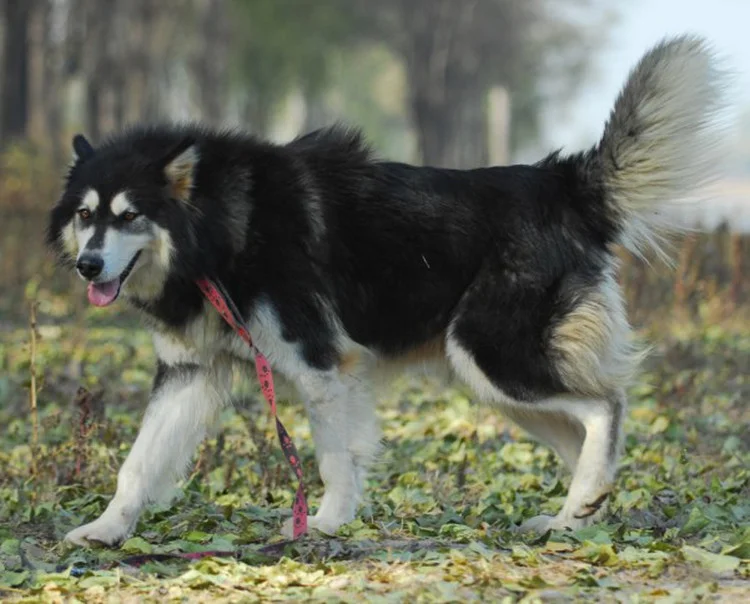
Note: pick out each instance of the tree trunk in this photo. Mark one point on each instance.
(257, 114)
(53, 87)
(45, 80)
(149, 45)
(37, 40)
(468, 147)
(446, 99)
(93, 110)
(498, 131)
(92, 58)
(15, 115)
(210, 60)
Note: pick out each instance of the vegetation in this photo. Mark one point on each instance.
(454, 481)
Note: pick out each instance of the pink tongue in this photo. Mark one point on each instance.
(103, 294)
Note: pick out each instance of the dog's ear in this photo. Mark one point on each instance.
(82, 149)
(179, 168)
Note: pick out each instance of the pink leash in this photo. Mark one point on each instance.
(221, 301)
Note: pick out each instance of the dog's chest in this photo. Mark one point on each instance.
(209, 336)
(206, 339)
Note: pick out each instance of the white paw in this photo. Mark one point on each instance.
(541, 524)
(102, 530)
(327, 527)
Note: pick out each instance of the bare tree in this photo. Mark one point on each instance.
(452, 51)
(154, 44)
(456, 50)
(96, 61)
(46, 76)
(210, 61)
(15, 77)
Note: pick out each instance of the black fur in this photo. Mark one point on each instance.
(82, 147)
(399, 252)
(165, 373)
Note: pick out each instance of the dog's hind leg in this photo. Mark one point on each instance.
(559, 374)
(346, 432)
(594, 473)
(557, 430)
(186, 400)
(585, 432)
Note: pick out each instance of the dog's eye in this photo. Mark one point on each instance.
(84, 213)
(129, 216)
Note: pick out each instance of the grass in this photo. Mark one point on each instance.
(453, 482)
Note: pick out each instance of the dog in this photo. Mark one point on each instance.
(342, 262)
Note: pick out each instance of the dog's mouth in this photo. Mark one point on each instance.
(106, 292)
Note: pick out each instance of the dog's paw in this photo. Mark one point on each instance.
(541, 524)
(102, 531)
(313, 523)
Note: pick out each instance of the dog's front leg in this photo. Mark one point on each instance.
(346, 432)
(185, 401)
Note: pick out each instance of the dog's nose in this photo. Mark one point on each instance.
(90, 265)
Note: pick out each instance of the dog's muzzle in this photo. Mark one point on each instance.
(106, 292)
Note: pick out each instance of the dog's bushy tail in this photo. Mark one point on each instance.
(661, 143)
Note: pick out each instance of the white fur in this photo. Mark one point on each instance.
(557, 430)
(346, 432)
(75, 234)
(118, 250)
(341, 407)
(171, 351)
(598, 439)
(81, 230)
(121, 204)
(466, 368)
(90, 200)
(152, 268)
(586, 434)
(265, 328)
(661, 143)
(82, 235)
(593, 345)
(176, 421)
(164, 248)
(69, 239)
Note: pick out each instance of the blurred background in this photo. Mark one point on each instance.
(457, 83)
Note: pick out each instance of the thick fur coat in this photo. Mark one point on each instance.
(342, 262)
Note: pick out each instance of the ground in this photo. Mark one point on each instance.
(453, 482)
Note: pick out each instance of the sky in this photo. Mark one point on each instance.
(642, 23)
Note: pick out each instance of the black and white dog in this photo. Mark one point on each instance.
(343, 263)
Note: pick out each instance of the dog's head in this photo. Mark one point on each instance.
(120, 212)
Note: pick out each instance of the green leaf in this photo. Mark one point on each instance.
(11, 547)
(10, 578)
(602, 554)
(717, 563)
(198, 537)
(659, 425)
(741, 551)
(695, 523)
(481, 549)
(103, 579)
(137, 545)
